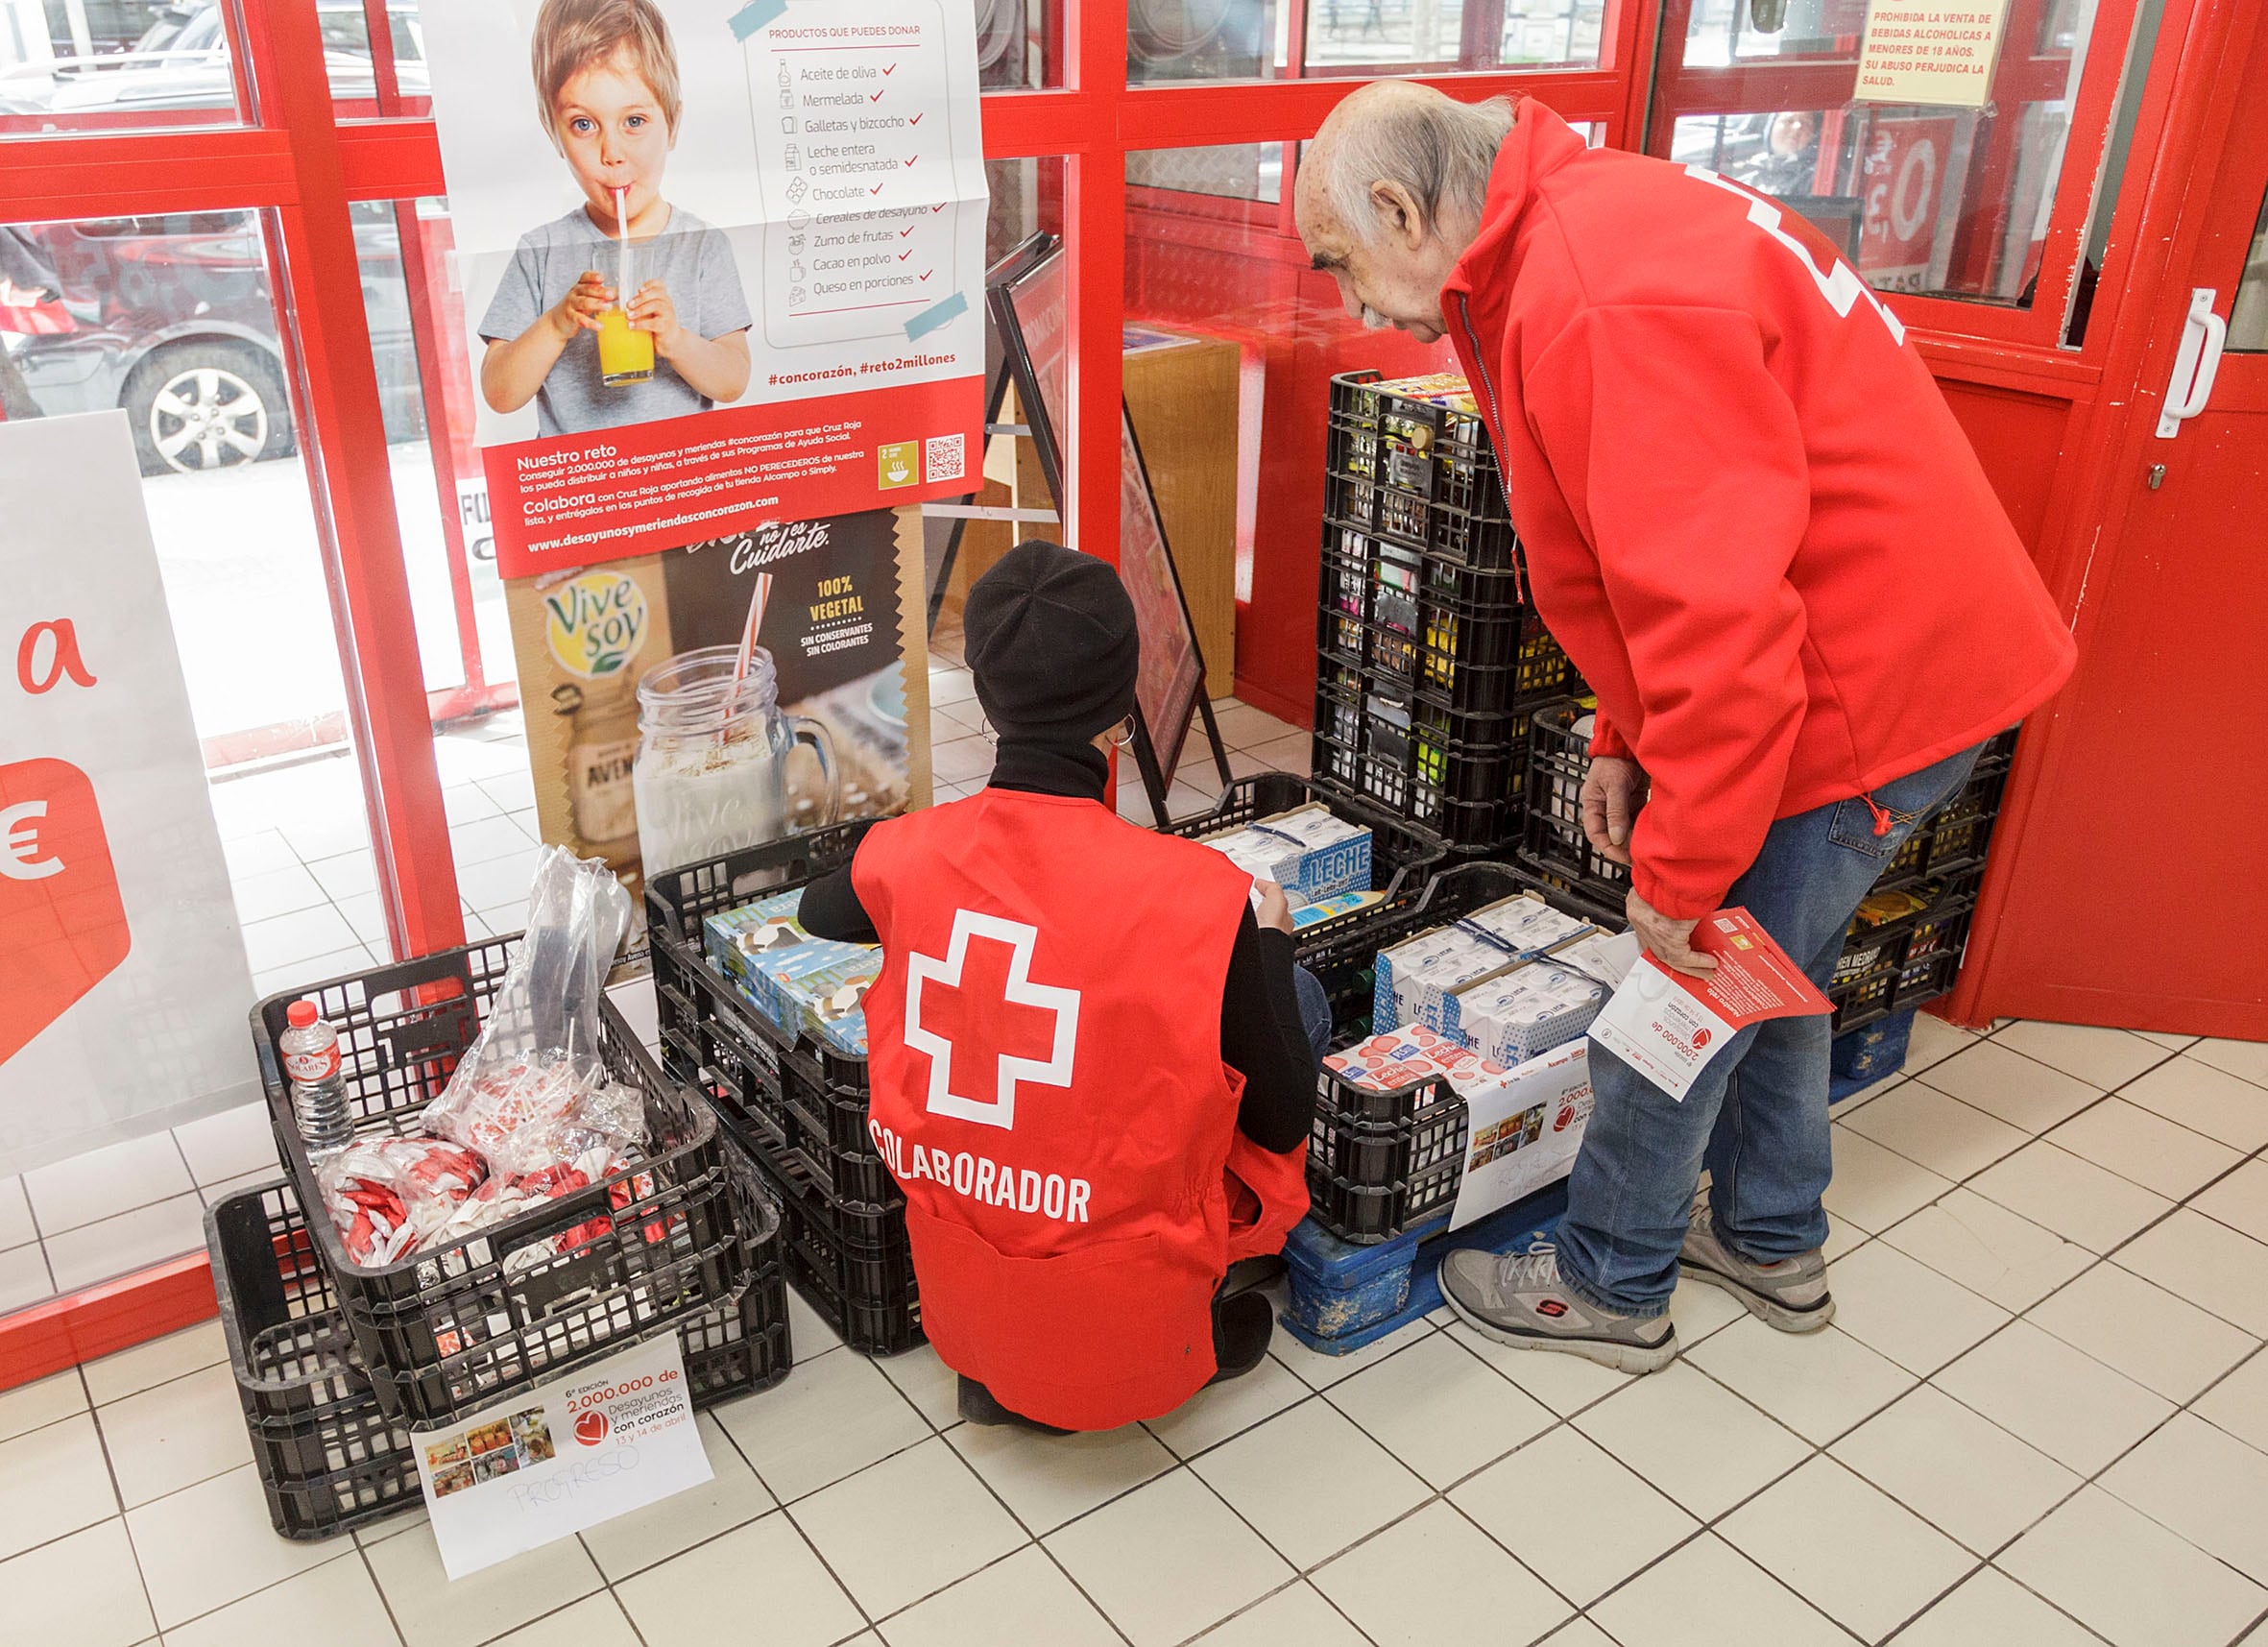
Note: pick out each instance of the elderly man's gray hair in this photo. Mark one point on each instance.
(1440, 150)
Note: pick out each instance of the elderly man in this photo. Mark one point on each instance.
(1754, 525)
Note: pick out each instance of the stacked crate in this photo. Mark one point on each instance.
(1429, 657)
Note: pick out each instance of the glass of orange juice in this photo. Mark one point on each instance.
(624, 356)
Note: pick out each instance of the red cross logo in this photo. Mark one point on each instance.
(996, 1007)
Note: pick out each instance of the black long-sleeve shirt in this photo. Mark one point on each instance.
(1261, 1033)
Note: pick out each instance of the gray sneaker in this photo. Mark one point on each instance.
(1791, 1294)
(1517, 1299)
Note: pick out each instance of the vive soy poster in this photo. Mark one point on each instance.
(721, 261)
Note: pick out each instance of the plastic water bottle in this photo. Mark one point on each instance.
(310, 1048)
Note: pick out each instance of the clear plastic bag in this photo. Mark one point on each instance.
(391, 1196)
(532, 1091)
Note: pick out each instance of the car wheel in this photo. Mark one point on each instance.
(206, 405)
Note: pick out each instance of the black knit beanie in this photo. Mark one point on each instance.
(1050, 638)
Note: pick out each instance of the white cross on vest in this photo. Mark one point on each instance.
(1053, 1070)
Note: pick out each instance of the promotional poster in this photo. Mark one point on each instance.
(123, 978)
(722, 265)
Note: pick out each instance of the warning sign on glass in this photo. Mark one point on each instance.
(1930, 54)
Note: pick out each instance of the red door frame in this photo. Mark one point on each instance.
(303, 164)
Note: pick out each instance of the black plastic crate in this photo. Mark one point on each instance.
(638, 1250)
(1417, 471)
(1468, 795)
(1381, 1161)
(1401, 857)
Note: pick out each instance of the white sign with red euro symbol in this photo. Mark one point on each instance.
(123, 981)
(566, 1454)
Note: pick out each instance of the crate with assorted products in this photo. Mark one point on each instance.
(1431, 655)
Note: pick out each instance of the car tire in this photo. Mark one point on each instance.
(207, 403)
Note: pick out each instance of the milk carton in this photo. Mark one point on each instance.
(1310, 852)
(1520, 1014)
(1417, 980)
(1347, 902)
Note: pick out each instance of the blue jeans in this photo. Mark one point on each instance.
(1314, 1008)
(1757, 1116)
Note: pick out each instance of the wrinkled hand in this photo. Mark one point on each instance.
(1668, 941)
(654, 310)
(1275, 909)
(579, 310)
(1613, 789)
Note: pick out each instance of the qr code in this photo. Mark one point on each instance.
(946, 456)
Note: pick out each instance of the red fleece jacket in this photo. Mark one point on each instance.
(1748, 515)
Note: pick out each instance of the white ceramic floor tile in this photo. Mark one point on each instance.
(2208, 1263)
(1566, 1384)
(2020, 1090)
(931, 1385)
(1895, 1303)
(166, 1437)
(285, 941)
(1577, 1517)
(1933, 1041)
(434, 1611)
(43, 1402)
(1219, 1411)
(1319, 1371)
(833, 1417)
(1989, 1249)
(15, 1215)
(1289, 754)
(1434, 1578)
(302, 975)
(1851, 1551)
(631, 1543)
(949, 687)
(1699, 1310)
(2159, 1340)
(229, 1145)
(1024, 1598)
(2172, 1043)
(2075, 1198)
(128, 1241)
(212, 1543)
(810, 1336)
(907, 1528)
(104, 1183)
(1962, 1473)
(2105, 1059)
(53, 1480)
(1693, 1438)
(1708, 1594)
(2239, 1403)
(482, 839)
(1817, 1384)
(2069, 1405)
(467, 802)
(1943, 1133)
(1440, 1409)
(24, 1278)
(1311, 1482)
(2246, 1059)
(1119, 1555)
(1874, 1187)
(349, 875)
(82, 1591)
(964, 760)
(1991, 1610)
(2202, 1484)
(2144, 1148)
(595, 1621)
(335, 1604)
(1579, 1632)
(1245, 727)
(280, 891)
(1295, 1616)
(159, 1361)
(514, 791)
(706, 1595)
(1049, 1480)
(2240, 1200)
(2130, 1580)
(2204, 1100)
(259, 853)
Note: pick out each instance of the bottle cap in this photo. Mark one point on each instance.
(300, 1014)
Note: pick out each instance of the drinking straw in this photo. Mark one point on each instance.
(622, 251)
(747, 657)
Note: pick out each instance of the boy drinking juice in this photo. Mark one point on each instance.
(590, 355)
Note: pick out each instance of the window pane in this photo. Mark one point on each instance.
(1262, 40)
(1946, 202)
(107, 65)
(2247, 323)
(366, 84)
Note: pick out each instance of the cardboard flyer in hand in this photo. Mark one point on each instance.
(1668, 1024)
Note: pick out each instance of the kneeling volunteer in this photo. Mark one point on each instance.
(1092, 1071)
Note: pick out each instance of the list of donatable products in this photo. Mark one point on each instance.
(866, 219)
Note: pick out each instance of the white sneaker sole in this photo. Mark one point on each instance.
(1766, 1310)
(1622, 1357)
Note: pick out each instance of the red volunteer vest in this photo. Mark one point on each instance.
(1045, 1053)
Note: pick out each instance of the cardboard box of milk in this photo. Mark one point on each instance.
(1310, 852)
(1417, 980)
(1524, 1013)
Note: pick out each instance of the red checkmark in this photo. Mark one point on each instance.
(892, 69)
(938, 207)
(902, 256)
(877, 96)
(927, 273)
(904, 233)
(876, 189)
(916, 120)
(916, 158)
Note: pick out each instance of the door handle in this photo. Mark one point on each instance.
(2196, 363)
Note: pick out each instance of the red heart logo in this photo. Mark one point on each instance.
(62, 923)
(591, 1428)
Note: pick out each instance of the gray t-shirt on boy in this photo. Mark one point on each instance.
(688, 257)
